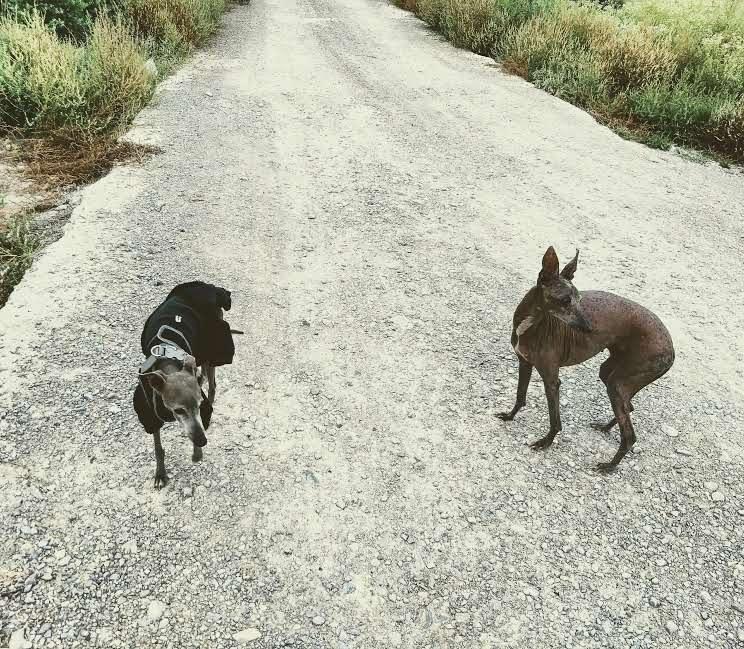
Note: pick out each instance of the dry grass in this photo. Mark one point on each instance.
(63, 163)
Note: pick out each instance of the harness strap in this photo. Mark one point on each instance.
(166, 349)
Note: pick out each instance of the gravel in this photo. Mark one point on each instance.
(355, 470)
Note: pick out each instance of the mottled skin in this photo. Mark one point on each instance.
(555, 326)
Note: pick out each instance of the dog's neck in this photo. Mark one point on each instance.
(168, 366)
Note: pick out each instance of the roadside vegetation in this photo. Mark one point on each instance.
(73, 74)
(661, 71)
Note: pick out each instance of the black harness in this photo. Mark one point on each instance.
(166, 349)
(185, 324)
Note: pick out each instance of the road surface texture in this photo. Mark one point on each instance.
(378, 202)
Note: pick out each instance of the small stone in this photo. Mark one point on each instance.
(17, 640)
(681, 450)
(738, 606)
(130, 547)
(247, 635)
(340, 504)
(46, 576)
(711, 486)
(671, 627)
(209, 93)
(717, 497)
(661, 563)
(668, 430)
(155, 610)
(188, 492)
(318, 620)
(740, 635)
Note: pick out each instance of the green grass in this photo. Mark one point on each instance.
(669, 71)
(17, 247)
(73, 90)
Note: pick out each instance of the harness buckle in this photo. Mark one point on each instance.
(159, 351)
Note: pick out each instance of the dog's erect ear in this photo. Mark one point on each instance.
(570, 268)
(189, 365)
(549, 266)
(156, 380)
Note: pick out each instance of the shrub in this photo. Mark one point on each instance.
(670, 70)
(52, 86)
(17, 247)
(67, 17)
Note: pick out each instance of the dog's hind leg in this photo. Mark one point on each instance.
(604, 373)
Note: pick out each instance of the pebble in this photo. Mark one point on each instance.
(247, 635)
(717, 496)
(740, 635)
(155, 610)
(681, 450)
(18, 640)
(668, 430)
(711, 486)
(188, 492)
(130, 547)
(738, 606)
(318, 620)
(671, 627)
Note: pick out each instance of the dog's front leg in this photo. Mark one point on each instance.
(161, 477)
(552, 392)
(525, 373)
(211, 382)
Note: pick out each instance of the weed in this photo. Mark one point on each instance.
(17, 247)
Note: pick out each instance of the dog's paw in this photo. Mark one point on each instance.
(605, 467)
(161, 481)
(197, 455)
(541, 443)
(505, 416)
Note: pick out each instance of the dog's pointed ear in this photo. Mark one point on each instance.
(549, 266)
(156, 380)
(189, 364)
(570, 268)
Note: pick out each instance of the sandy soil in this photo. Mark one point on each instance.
(378, 202)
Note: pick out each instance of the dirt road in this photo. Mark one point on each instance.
(378, 202)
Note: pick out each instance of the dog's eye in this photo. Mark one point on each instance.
(179, 411)
(566, 300)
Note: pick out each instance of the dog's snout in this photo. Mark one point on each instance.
(199, 438)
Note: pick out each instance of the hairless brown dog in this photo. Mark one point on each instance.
(555, 325)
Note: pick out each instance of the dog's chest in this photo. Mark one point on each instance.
(520, 348)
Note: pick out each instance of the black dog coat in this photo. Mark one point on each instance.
(192, 310)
